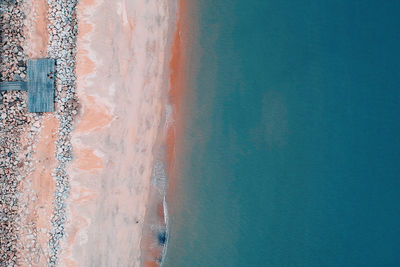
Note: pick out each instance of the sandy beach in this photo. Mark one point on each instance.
(122, 83)
(89, 193)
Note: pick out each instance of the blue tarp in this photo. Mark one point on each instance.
(41, 85)
(13, 86)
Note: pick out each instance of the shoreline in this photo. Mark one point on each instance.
(166, 175)
(183, 68)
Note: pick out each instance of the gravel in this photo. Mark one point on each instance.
(15, 121)
(63, 30)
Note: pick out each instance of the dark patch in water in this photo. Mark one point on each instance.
(162, 238)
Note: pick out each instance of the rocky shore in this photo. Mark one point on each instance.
(19, 129)
(63, 30)
(14, 121)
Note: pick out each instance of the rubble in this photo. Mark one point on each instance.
(15, 120)
(63, 29)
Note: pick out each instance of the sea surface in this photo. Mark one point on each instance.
(290, 154)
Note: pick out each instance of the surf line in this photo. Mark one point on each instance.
(177, 76)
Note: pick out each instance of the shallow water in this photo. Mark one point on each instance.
(291, 148)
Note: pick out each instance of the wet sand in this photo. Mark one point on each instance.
(121, 83)
(177, 80)
(156, 232)
(182, 70)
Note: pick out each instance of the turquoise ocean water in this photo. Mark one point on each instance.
(291, 149)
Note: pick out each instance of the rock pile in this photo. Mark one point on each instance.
(13, 122)
(63, 29)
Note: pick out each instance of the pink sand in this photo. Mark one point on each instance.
(122, 70)
(38, 186)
